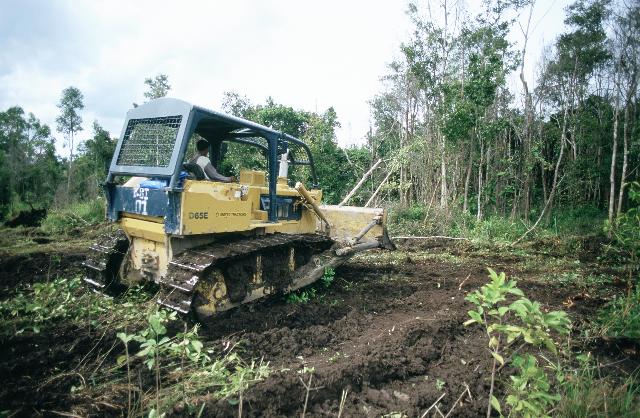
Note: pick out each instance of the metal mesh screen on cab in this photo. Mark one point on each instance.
(149, 142)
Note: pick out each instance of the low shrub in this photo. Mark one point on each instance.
(512, 322)
(39, 305)
(621, 317)
(81, 214)
(184, 369)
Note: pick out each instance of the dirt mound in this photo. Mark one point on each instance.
(16, 270)
(30, 218)
(45, 369)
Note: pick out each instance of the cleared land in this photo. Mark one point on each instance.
(388, 330)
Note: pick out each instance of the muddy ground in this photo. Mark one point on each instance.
(388, 332)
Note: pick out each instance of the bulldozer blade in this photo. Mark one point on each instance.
(353, 225)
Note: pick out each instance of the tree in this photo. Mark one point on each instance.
(29, 169)
(336, 173)
(627, 66)
(92, 164)
(157, 87)
(69, 122)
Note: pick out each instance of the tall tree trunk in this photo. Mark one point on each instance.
(625, 157)
(443, 173)
(556, 171)
(598, 191)
(465, 205)
(612, 172)
(543, 180)
(70, 164)
(528, 127)
(554, 184)
(480, 185)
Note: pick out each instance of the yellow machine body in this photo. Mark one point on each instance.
(211, 209)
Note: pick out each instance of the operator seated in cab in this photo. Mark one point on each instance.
(201, 158)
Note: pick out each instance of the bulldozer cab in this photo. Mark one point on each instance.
(155, 145)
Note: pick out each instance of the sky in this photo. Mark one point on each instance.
(306, 54)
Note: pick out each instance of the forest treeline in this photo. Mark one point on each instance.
(459, 130)
(457, 136)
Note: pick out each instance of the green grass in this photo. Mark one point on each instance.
(621, 317)
(496, 229)
(585, 394)
(420, 220)
(77, 215)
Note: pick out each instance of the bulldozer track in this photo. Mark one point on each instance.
(101, 266)
(187, 268)
(190, 266)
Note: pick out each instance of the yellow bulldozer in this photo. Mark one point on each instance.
(214, 245)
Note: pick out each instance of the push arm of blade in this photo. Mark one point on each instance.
(357, 248)
(310, 200)
(375, 221)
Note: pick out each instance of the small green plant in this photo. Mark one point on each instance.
(192, 370)
(328, 277)
(530, 390)
(302, 296)
(307, 295)
(510, 326)
(440, 384)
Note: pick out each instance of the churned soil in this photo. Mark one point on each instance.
(389, 335)
(386, 337)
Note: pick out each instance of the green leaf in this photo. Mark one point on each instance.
(197, 345)
(550, 345)
(121, 360)
(512, 400)
(496, 404)
(150, 362)
(498, 357)
(516, 291)
(493, 342)
(476, 316)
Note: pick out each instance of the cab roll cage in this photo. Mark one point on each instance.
(215, 127)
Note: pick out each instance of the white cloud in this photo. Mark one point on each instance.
(308, 55)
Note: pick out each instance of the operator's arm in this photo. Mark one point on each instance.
(213, 174)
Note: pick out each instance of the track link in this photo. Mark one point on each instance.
(103, 263)
(189, 267)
